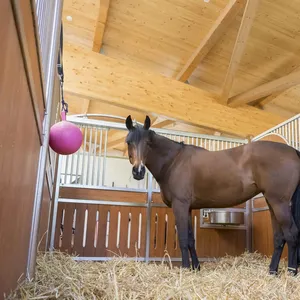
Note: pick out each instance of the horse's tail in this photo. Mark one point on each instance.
(296, 206)
(296, 202)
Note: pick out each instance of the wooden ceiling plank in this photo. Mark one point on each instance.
(277, 85)
(219, 27)
(239, 47)
(123, 84)
(100, 25)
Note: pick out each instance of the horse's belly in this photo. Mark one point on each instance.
(226, 192)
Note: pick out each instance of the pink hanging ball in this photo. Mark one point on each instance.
(65, 137)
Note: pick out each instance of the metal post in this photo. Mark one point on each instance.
(249, 225)
(44, 148)
(55, 203)
(148, 225)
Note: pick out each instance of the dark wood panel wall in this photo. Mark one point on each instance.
(21, 114)
(262, 232)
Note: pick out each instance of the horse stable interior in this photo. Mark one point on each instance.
(215, 73)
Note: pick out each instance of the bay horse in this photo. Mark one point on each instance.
(192, 177)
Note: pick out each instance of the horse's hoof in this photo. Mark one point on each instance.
(197, 268)
(273, 272)
(292, 271)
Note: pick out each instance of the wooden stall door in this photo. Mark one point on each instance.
(101, 230)
(209, 242)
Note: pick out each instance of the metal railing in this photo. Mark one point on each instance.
(93, 165)
(288, 130)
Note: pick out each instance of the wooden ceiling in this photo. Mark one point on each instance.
(241, 59)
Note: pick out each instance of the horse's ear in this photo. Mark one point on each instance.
(129, 123)
(147, 123)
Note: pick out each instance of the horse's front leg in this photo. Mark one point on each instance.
(181, 212)
(191, 245)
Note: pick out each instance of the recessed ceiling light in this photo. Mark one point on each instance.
(69, 18)
(206, 1)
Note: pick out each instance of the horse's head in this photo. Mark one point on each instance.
(137, 140)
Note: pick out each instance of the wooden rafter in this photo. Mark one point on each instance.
(214, 34)
(100, 25)
(239, 47)
(123, 84)
(277, 85)
(266, 100)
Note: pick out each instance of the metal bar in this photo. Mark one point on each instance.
(107, 188)
(289, 133)
(292, 135)
(249, 225)
(32, 252)
(83, 155)
(260, 209)
(149, 209)
(104, 158)
(296, 137)
(101, 202)
(71, 171)
(94, 157)
(66, 169)
(114, 125)
(89, 157)
(55, 203)
(275, 127)
(99, 165)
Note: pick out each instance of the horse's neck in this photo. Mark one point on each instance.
(160, 156)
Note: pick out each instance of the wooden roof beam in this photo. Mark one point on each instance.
(277, 85)
(239, 47)
(100, 25)
(123, 84)
(214, 34)
(266, 100)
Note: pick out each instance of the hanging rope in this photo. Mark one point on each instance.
(60, 69)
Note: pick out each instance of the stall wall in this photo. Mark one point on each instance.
(20, 142)
(114, 229)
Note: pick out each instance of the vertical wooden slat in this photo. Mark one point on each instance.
(124, 230)
(67, 235)
(60, 208)
(79, 227)
(103, 211)
(142, 250)
(90, 249)
(113, 227)
(135, 211)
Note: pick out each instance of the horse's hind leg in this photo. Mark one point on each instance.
(283, 214)
(191, 245)
(278, 241)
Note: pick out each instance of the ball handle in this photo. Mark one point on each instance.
(63, 115)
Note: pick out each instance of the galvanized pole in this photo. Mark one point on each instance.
(55, 203)
(46, 130)
(148, 224)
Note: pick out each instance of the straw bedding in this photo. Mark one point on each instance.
(245, 277)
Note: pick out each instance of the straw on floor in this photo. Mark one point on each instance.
(245, 277)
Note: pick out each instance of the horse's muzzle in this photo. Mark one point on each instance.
(138, 172)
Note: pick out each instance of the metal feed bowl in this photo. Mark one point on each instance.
(226, 217)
